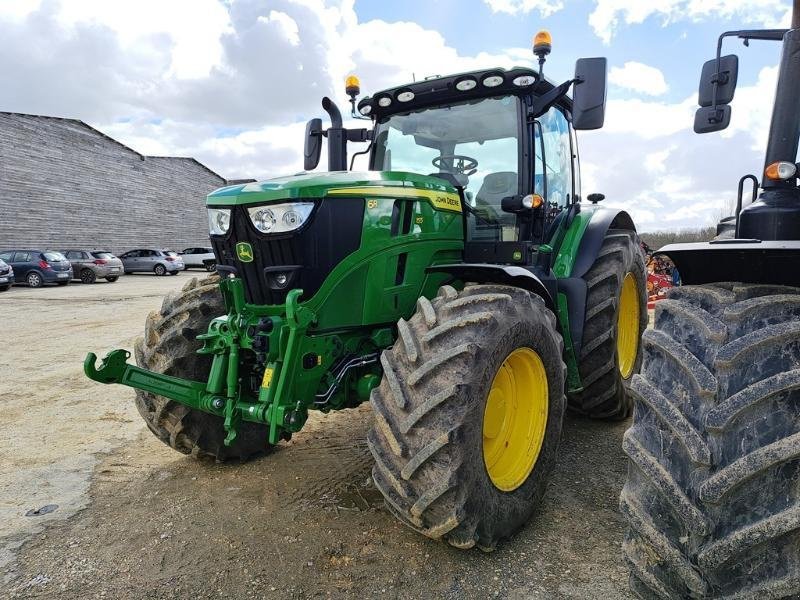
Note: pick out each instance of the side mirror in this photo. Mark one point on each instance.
(313, 144)
(589, 93)
(715, 94)
(724, 80)
(712, 118)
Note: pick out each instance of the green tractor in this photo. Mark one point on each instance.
(461, 285)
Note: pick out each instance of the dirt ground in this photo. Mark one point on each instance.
(134, 519)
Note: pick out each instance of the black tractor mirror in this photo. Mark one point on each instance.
(589, 93)
(313, 144)
(712, 118)
(723, 79)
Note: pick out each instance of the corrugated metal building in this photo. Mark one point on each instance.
(65, 184)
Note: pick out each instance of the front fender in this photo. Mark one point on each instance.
(502, 274)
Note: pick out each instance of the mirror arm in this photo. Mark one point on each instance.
(543, 103)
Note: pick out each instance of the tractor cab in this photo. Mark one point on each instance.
(503, 138)
(487, 147)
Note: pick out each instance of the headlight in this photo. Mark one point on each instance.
(280, 218)
(219, 220)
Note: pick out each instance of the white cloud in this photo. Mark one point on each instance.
(240, 107)
(655, 162)
(639, 77)
(512, 7)
(608, 15)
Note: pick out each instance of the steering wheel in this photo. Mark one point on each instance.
(458, 163)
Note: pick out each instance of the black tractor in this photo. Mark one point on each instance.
(713, 492)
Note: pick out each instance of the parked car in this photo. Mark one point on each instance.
(150, 260)
(199, 257)
(37, 267)
(89, 265)
(6, 276)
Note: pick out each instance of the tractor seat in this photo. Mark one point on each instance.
(495, 187)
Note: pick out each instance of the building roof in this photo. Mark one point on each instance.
(91, 129)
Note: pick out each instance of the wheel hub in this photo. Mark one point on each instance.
(515, 419)
(628, 326)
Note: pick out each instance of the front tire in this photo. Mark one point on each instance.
(211, 267)
(169, 346)
(4, 288)
(452, 459)
(112, 279)
(616, 316)
(712, 496)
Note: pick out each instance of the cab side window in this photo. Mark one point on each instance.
(553, 144)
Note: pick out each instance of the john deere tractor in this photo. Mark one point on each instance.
(713, 490)
(461, 285)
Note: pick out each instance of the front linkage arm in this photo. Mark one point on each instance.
(222, 394)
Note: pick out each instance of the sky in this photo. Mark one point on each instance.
(232, 82)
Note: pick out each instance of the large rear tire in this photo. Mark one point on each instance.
(169, 346)
(468, 414)
(712, 497)
(616, 316)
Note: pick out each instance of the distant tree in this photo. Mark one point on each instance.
(657, 239)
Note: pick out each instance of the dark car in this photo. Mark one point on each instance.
(6, 276)
(152, 260)
(89, 265)
(37, 267)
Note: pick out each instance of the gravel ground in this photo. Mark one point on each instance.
(137, 520)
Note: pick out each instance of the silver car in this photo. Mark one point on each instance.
(91, 265)
(202, 258)
(6, 276)
(151, 260)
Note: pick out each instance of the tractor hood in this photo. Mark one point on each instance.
(319, 185)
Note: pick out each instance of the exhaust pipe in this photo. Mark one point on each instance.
(337, 137)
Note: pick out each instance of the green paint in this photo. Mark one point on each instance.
(573, 376)
(317, 185)
(566, 242)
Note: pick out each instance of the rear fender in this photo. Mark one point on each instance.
(584, 249)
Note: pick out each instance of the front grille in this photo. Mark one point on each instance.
(309, 254)
(5, 270)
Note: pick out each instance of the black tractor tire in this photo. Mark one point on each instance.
(88, 276)
(169, 346)
(427, 439)
(160, 270)
(112, 279)
(34, 279)
(604, 394)
(712, 497)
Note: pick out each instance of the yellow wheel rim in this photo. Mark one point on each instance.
(628, 326)
(515, 419)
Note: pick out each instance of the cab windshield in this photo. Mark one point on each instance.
(474, 145)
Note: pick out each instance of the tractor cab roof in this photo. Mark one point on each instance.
(461, 87)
